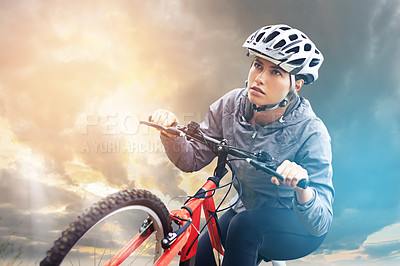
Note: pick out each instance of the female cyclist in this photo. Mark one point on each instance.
(273, 220)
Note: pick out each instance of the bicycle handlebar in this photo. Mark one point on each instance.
(221, 145)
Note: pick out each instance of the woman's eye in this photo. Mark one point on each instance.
(276, 72)
(257, 65)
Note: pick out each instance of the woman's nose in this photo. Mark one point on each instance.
(259, 78)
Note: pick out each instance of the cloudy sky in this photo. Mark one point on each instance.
(77, 76)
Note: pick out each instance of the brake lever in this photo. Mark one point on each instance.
(170, 130)
(303, 183)
(151, 124)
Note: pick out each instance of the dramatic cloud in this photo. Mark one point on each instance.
(76, 78)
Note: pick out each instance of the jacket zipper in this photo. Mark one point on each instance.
(253, 138)
(254, 134)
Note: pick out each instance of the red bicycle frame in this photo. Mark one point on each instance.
(186, 243)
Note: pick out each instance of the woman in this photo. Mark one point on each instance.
(273, 220)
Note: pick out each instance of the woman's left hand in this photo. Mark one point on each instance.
(293, 173)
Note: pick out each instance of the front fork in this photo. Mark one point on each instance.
(191, 213)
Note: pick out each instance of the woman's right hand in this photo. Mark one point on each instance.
(164, 118)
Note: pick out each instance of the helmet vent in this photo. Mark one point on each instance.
(260, 36)
(307, 47)
(285, 28)
(297, 62)
(271, 36)
(293, 50)
(280, 44)
(293, 37)
(314, 62)
(316, 51)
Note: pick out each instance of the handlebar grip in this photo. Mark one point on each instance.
(303, 183)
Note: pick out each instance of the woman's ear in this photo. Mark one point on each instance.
(298, 84)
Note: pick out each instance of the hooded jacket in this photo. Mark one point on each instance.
(298, 136)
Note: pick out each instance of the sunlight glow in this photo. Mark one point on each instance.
(100, 189)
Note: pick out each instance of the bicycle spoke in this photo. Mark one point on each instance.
(144, 249)
(94, 251)
(104, 251)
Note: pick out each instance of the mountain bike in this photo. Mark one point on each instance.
(134, 227)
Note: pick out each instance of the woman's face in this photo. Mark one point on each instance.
(267, 82)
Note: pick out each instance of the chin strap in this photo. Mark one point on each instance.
(283, 103)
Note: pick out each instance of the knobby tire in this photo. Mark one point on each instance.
(114, 203)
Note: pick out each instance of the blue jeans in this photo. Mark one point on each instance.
(253, 235)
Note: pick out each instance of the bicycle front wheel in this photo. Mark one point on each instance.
(106, 227)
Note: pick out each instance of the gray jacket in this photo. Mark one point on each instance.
(299, 136)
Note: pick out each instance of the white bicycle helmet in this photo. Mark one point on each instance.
(288, 48)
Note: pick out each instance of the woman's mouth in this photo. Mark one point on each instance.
(257, 89)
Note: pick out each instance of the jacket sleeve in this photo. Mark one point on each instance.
(315, 156)
(191, 156)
